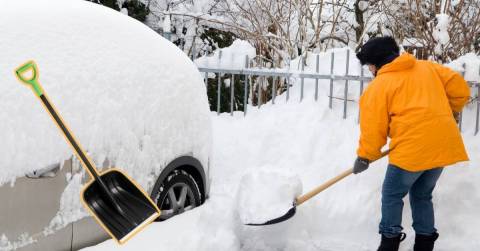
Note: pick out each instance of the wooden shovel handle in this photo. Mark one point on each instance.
(322, 187)
(302, 198)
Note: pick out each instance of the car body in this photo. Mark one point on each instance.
(133, 100)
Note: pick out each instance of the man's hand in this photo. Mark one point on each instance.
(360, 165)
(456, 116)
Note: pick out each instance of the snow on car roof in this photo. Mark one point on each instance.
(125, 92)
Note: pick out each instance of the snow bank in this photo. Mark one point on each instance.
(128, 94)
(265, 193)
(209, 227)
(469, 65)
(317, 144)
(232, 57)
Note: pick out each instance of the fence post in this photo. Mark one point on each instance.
(219, 83)
(317, 70)
(193, 49)
(274, 90)
(302, 79)
(332, 62)
(287, 81)
(288, 87)
(206, 79)
(245, 91)
(346, 86)
(361, 92)
(232, 89)
(477, 122)
(461, 112)
(260, 83)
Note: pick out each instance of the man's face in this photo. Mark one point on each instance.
(373, 69)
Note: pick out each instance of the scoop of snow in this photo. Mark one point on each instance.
(266, 193)
(232, 57)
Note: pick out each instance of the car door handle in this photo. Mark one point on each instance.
(47, 172)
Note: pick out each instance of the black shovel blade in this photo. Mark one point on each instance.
(282, 218)
(128, 209)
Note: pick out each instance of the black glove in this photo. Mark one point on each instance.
(360, 165)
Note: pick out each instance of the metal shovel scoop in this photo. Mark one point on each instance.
(302, 198)
(118, 204)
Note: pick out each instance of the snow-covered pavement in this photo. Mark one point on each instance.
(313, 142)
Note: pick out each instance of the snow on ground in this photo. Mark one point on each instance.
(316, 144)
(311, 142)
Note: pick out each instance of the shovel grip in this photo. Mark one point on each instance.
(299, 200)
(31, 80)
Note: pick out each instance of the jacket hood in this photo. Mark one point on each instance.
(401, 63)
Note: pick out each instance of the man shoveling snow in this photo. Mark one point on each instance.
(414, 103)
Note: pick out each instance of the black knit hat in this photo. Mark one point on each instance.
(378, 51)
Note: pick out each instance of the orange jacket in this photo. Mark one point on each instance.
(411, 101)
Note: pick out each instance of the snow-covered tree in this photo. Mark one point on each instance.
(443, 29)
(282, 30)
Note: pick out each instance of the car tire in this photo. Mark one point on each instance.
(178, 193)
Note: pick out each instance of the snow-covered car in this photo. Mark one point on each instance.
(133, 100)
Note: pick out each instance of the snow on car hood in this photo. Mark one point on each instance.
(126, 93)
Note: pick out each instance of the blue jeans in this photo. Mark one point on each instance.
(420, 185)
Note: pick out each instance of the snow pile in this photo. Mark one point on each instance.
(128, 94)
(209, 227)
(440, 33)
(266, 193)
(469, 65)
(339, 63)
(317, 144)
(167, 25)
(232, 57)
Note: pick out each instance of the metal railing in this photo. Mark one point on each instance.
(287, 75)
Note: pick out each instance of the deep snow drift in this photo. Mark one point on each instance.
(316, 144)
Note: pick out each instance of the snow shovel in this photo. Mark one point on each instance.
(118, 204)
(302, 198)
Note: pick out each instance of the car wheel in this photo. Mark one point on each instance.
(178, 193)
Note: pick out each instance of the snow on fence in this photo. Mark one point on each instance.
(286, 76)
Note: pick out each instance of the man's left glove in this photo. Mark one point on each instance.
(360, 165)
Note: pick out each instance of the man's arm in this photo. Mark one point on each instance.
(374, 122)
(456, 88)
